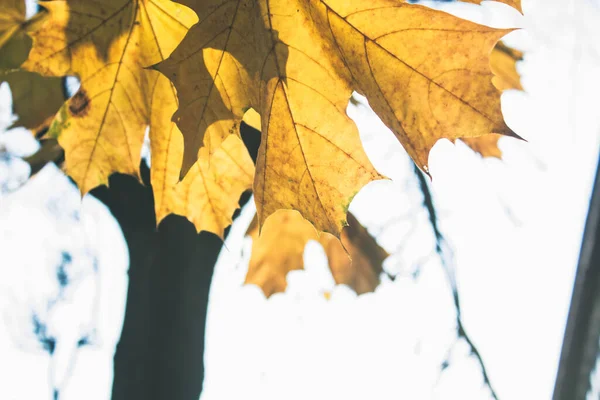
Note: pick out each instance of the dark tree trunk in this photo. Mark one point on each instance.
(161, 351)
(580, 344)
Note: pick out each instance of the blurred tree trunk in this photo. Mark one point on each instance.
(580, 348)
(161, 351)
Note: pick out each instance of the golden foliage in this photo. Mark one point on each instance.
(209, 194)
(310, 158)
(109, 46)
(280, 249)
(426, 73)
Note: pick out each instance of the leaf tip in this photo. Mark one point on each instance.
(425, 169)
(516, 136)
(507, 131)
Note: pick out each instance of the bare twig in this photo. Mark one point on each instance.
(444, 252)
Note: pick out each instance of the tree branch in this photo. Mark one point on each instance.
(443, 250)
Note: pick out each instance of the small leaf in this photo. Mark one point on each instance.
(358, 263)
(280, 249)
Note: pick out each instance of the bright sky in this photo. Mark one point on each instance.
(514, 226)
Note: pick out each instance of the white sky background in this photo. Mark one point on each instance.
(515, 227)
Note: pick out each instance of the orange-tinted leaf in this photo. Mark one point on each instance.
(361, 266)
(280, 248)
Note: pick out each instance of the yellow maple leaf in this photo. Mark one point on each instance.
(209, 193)
(233, 60)
(217, 182)
(108, 45)
(503, 63)
(280, 249)
(425, 73)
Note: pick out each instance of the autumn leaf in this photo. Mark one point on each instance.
(230, 62)
(503, 62)
(219, 186)
(296, 63)
(425, 73)
(280, 249)
(209, 193)
(35, 98)
(108, 45)
(357, 260)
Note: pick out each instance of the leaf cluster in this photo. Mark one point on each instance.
(188, 73)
